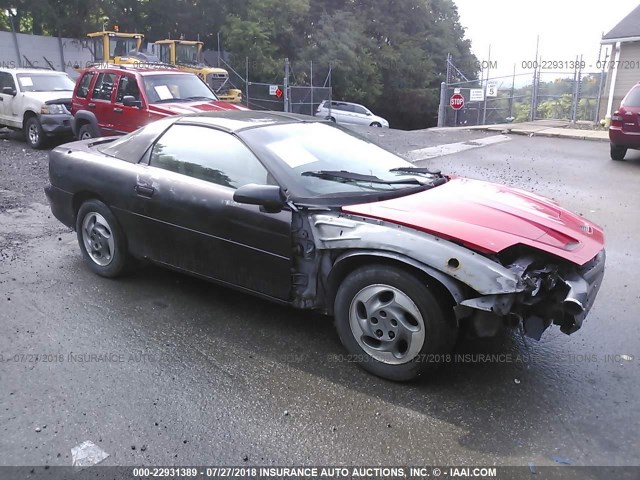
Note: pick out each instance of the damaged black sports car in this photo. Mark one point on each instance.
(309, 214)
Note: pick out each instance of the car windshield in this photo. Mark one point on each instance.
(176, 87)
(319, 159)
(186, 53)
(43, 82)
(120, 46)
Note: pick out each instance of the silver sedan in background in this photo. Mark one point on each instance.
(352, 113)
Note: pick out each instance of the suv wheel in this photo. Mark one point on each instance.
(618, 152)
(33, 133)
(85, 132)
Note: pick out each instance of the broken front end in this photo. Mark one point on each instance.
(553, 292)
(519, 286)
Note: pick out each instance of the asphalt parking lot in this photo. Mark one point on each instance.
(196, 374)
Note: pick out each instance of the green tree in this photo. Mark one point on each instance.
(340, 40)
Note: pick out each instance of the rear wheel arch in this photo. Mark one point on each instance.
(81, 197)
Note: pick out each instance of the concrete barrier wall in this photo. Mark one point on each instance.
(61, 53)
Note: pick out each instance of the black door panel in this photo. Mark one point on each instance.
(196, 226)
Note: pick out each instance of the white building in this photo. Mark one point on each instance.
(624, 62)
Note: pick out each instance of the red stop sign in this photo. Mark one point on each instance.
(456, 101)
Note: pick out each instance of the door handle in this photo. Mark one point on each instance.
(145, 190)
(117, 110)
(91, 105)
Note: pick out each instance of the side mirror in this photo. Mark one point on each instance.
(270, 197)
(130, 101)
(9, 91)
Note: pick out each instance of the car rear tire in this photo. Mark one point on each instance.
(332, 119)
(85, 132)
(34, 134)
(101, 239)
(376, 124)
(391, 323)
(618, 152)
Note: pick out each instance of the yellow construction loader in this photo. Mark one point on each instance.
(187, 55)
(115, 47)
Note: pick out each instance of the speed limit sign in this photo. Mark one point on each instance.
(492, 89)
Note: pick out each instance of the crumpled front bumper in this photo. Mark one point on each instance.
(552, 294)
(54, 124)
(583, 287)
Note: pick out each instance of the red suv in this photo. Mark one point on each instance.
(114, 99)
(624, 131)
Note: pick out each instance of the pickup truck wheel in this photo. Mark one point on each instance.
(617, 152)
(85, 132)
(390, 322)
(33, 133)
(101, 239)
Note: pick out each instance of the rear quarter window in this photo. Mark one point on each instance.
(633, 98)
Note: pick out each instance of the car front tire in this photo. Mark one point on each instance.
(34, 134)
(376, 124)
(618, 152)
(85, 132)
(391, 323)
(101, 239)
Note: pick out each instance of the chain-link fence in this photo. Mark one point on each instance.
(572, 94)
(296, 91)
(306, 100)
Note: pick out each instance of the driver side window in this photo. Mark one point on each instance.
(127, 86)
(207, 154)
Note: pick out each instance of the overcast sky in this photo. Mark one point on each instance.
(566, 27)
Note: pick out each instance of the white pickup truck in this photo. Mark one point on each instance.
(37, 102)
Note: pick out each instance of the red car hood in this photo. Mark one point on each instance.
(180, 108)
(490, 218)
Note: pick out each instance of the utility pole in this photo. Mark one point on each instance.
(246, 78)
(286, 85)
(534, 87)
(218, 49)
(311, 81)
(513, 91)
(11, 12)
(484, 108)
(442, 108)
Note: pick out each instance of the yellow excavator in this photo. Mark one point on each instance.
(125, 49)
(187, 55)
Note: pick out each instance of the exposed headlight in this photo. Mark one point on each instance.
(54, 109)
